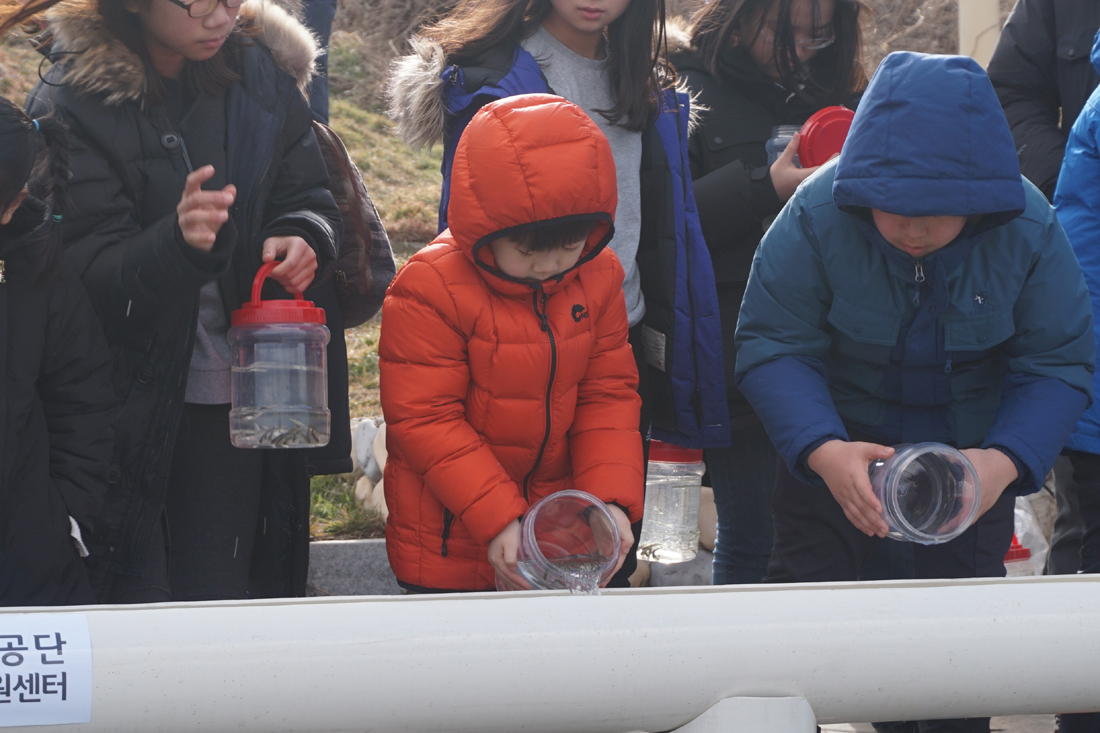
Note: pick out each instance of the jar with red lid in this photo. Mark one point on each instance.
(279, 381)
(670, 520)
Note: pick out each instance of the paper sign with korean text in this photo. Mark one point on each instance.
(45, 669)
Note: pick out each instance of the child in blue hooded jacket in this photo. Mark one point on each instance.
(918, 289)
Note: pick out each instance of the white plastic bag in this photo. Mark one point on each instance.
(1030, 536)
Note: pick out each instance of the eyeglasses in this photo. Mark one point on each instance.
(200, 8)
(809, 44)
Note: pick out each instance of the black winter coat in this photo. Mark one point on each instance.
(1043, 77)
(129, 168)
(57, 403)
(733, 187)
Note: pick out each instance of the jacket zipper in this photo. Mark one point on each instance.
(448, 518)
(918, 276)
(549, 385)
(685, 179)
(263, 177)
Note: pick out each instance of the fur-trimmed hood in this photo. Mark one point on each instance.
(97, 62)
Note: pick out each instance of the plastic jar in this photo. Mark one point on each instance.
(568, 541)
(929, 492)
(670, 522)
(279, 381)
(781, 136)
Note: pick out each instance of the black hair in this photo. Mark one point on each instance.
(835, 73)
(636, 47)
(553, 235)
(23, 156)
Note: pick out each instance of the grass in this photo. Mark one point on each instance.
(334, 514)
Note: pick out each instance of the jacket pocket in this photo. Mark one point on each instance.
(1075, 45)
(863, 334)
(728, 139)
(978, 333)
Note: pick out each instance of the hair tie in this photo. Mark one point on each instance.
(56, 217)
(36, 127)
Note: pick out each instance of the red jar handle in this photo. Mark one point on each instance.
(258, 282)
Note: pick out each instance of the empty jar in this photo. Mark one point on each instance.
(929, 492)
(279, 378)
(568, 541)
(670, 522)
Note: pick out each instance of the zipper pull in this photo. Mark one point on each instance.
(947, 366)
(542, 315)
(919, 276)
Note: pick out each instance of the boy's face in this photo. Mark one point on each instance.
(520, 263)
(918, 236)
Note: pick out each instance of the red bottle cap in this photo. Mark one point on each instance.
(1017, 551)
(669, 453)
(823, 135)
(298, 310)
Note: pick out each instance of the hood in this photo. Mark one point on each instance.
(524, 162)
(414, 94)
(1095, 55)
(930, 139)
(97, 62)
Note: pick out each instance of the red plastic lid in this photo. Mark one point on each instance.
(1017, 551)
(298, 310)
(669, 453)
(823, 135)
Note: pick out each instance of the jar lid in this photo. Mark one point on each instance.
(259, 311)
(1017, 551)
(669, 453)
(823, 135)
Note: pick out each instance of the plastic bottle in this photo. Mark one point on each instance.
(670, 523)
(781, 136)
(929, 492)
(279, 375)
(568, 541)
(1018, 561)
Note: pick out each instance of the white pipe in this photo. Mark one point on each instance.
(979, 28)
(651, 659)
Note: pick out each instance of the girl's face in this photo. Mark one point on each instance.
(173, 37)
(579, 24)
(807, 34)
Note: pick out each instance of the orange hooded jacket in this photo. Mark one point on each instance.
(497, 391)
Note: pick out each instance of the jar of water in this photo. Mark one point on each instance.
(568, 541)
(781, 137)
(670, 522)
(929, 492)
(279, 380)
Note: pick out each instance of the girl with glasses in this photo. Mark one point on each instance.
(194, 162)
(755, 65)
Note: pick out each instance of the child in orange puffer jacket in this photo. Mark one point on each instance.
(506, 374)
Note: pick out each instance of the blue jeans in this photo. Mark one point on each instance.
(318, 18)
(742, 477)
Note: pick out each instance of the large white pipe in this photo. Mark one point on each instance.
(650, 660)
(979, 28)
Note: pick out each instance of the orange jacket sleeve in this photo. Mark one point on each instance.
(604, 441)
(424, 375)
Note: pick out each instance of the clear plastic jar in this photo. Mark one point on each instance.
(781, 137)
(568, 541)
(279, 375)
(929, 492)
(670, 522)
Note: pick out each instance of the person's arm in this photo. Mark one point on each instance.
(1023, 70)
(425, 373)
(1050, 363)
(604, 441)
(78, 399)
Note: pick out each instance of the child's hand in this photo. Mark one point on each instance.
(626, 538)
(202, 213)
(785, 174)
(843, 466)
(995, 472)
(503, 551)
(296, 272)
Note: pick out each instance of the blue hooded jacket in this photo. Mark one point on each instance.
(1077, 200)
(686, 370)
(985, 342)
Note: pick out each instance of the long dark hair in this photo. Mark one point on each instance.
(636, 47)
(835, 73)
(19, 161)
(212, 76)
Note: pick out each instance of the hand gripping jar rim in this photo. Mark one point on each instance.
(888, 494)
(259, 311)
(550, 575)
